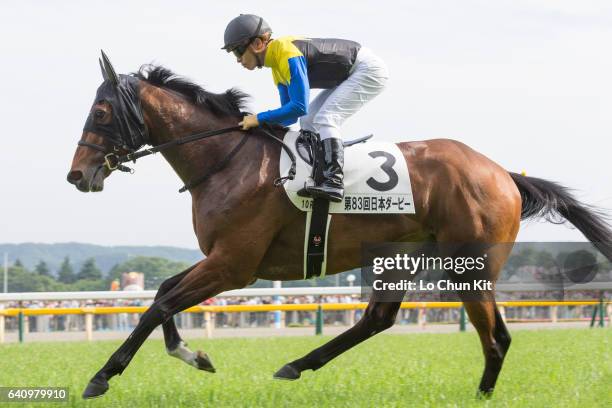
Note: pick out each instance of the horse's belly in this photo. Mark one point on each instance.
(284, 259)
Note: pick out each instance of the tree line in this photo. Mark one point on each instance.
(89, 276)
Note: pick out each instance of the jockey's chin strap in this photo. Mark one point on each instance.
(260, 61)
(113, 161)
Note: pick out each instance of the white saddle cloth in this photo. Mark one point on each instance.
(376, 179)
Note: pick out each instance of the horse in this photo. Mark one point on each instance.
(247, 228)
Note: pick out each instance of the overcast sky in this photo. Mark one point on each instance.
(527, 83)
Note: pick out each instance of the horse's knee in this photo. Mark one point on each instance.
(155, 315)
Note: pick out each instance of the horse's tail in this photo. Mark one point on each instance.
(543, 198)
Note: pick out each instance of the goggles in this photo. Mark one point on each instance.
(239, 50)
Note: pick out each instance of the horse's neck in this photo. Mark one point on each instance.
(169, 117)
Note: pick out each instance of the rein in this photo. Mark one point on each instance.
(114, 162)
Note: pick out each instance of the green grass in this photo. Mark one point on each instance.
(552, 368)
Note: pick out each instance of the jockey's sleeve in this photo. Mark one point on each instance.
(284, 94)
(294, 95)
(283, 91)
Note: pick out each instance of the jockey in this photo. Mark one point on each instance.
(349, 74)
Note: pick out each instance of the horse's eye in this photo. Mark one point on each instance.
(99, 114)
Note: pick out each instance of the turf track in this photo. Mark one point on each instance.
(549, 368)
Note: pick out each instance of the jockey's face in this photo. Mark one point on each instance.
(248, 60)
(254, 55)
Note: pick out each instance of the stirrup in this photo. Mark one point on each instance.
(329, 193)
(303, 192)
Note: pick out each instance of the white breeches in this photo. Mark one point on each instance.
(330, 108)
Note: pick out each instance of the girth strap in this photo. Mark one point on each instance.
(317, 226)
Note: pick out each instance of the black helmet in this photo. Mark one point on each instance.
(242, 29)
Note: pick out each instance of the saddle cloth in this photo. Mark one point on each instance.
(376, 179)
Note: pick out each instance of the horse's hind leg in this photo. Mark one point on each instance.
(494, 338)
(501, 333)
(482, 309)
(378, 316)
(171, 334)
(175, 346)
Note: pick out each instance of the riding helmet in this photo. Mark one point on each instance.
(243, 28)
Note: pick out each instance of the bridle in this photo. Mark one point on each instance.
(114, 161)
(108, 157)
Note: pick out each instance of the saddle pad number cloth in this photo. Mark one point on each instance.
(376, 179)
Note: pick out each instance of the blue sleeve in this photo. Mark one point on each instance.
(294, 98)
(284, 94)
(283, 91)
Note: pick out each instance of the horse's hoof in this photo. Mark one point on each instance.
(288, 372)
(484, 395)
(203, 362)
(96, 388)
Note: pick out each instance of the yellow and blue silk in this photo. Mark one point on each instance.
(290, 75)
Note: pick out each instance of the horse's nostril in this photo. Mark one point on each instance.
(74, 176)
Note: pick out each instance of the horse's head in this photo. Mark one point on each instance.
(115, 127)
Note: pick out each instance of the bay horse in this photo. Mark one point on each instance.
(248, 229)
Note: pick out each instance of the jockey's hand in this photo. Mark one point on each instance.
(249, 121)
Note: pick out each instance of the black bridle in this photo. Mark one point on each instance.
(127, 131)
(107, 157)
(114, 161)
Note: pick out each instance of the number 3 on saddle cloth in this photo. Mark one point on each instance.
(376, 181)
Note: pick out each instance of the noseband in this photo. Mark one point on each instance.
(109, 158)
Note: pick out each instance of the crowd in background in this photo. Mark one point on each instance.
(127, 321)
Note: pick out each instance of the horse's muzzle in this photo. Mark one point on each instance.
(82, 183)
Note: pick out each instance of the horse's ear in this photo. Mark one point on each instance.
(104, 74)
(110, 71)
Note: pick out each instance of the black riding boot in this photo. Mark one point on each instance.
(308, 140)
(332, 187)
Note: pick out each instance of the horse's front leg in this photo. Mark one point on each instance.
(207, 279)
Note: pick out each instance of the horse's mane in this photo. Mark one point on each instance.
(231, 102)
